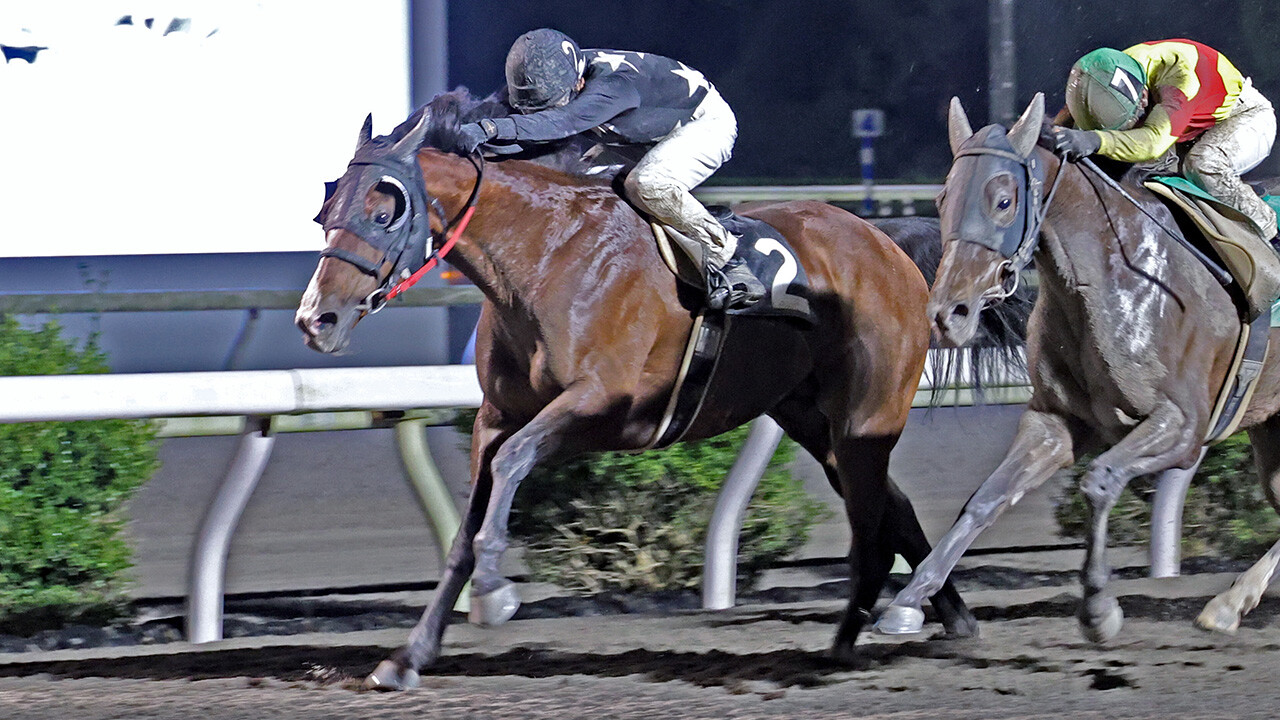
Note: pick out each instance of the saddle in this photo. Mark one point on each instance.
(1244, 252)
(1255, 267)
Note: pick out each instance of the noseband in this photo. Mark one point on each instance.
(407, 240)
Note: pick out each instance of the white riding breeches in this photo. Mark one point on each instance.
(661, 181)
(1236, 145)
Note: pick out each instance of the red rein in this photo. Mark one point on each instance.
(435, 257)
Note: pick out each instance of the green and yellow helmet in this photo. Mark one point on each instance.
(1104, 90)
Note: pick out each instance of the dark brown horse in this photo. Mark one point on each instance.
(581, 337)
(1129, 342)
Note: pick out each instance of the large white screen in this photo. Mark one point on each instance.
(217, 137)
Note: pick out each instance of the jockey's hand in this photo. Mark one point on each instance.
(476, 134)
(1074, 145)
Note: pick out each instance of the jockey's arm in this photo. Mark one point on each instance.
(600, 101)
(1153, 137)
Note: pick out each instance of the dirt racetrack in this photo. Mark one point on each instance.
(762, 659)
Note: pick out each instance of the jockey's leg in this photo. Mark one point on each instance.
(671, 203)
(661, 183)
(1235, 146)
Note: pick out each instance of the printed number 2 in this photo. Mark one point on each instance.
(782, 299)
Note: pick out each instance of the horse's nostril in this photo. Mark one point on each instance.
(328, 318)
(960, 310)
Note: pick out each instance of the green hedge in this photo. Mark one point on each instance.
(638, 521)
(62, 553)
(1226, 512)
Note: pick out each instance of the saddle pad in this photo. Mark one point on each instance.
(1187, 187)
(1247, 256)
(764, 250)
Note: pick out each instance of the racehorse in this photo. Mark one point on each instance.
(1128, 344)
(581, 337)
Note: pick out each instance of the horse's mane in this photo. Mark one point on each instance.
(451, 110)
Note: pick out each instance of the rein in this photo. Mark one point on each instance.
(1222, 276)
(385, 291)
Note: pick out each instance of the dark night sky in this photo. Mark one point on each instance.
(794, 71)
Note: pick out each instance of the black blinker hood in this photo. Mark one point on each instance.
(406, 240)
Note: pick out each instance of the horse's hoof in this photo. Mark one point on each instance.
(962, 630)
(900, 620)
(390, 675)
(496, 607)
(1218, 616)
(1103, 624)
(844, 653)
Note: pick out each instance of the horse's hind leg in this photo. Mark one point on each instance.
(400, 671)
(863, 465)
(1223, 613)
(900, 529)
(908, 538)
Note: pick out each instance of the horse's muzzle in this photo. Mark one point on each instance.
(321, 331)
(954, 323)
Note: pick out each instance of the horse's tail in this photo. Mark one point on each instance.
(998, 349)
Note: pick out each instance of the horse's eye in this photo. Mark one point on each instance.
(1004, 204)
(383, 218)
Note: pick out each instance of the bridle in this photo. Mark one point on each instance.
(1017, 249)
(407, 240)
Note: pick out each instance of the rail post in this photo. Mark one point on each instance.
(207, 575)
(720, 564)
(1166, 520)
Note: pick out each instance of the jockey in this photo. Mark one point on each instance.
(1139, 105)
(631, 98)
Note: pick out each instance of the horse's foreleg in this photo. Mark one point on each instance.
(909, 539)
(494, 598)
(1165, 439)
(1041, 447)
(422, 648)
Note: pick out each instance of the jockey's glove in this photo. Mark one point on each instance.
(476, 134)
(1074, 145)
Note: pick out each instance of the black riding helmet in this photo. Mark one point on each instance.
(543, 68)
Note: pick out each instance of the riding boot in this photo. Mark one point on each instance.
(732, 286)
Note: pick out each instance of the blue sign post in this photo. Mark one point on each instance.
(868, 124)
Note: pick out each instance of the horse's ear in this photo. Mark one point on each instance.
(408, 146)
(958, 127)
(1025, 132)
(366, 131)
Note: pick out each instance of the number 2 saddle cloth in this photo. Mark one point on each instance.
(767, 254)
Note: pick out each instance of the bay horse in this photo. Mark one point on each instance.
(581, 337)
(1128, 344)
